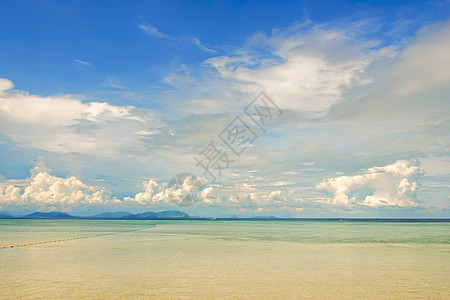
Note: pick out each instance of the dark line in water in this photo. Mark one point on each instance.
(72, 239)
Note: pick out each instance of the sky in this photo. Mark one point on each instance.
(222, 108)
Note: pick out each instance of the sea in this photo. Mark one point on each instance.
(223, 259)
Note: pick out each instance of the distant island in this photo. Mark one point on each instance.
(5, 216)
(168, 214)
(49, 215)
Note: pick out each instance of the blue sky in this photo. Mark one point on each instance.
(102, 103)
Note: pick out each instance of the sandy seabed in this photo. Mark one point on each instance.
(167, 262)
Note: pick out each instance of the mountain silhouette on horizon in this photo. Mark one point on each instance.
(5, 216)
(149, 215)
(49, 215)
(119, 215)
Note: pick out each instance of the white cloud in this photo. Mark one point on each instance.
(114, 84)
(197, 42)
(5, 85)
(65, 124)
(46, 191)
(281, 183)
(291, 173)
(82, 62)
(307, 68)
(43, 191)
(238, 195)
(153, 31)
(190, 190)
(268, 200)
(392, 185)
(414, 82)
(181, 78)
(424, 64)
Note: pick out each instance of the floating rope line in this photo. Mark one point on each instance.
(72, 239)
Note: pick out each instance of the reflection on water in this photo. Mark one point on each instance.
(204, 259)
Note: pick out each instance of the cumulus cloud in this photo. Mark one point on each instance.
(391, 185)
(307, 67)
(190, 189)
(197, 188)
(5, 85)
(267, 200)
(65, 124)
(43, 190)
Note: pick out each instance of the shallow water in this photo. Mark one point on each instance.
(223, 259)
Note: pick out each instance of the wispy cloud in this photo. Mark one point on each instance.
(153, 31)
(114, 84)
(82, 62)
(197, 42)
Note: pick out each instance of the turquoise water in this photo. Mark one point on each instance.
(97, 259)
(25, 232)
(317, 231)
(19, 232)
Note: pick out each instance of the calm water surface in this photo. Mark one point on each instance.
(223, 259)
